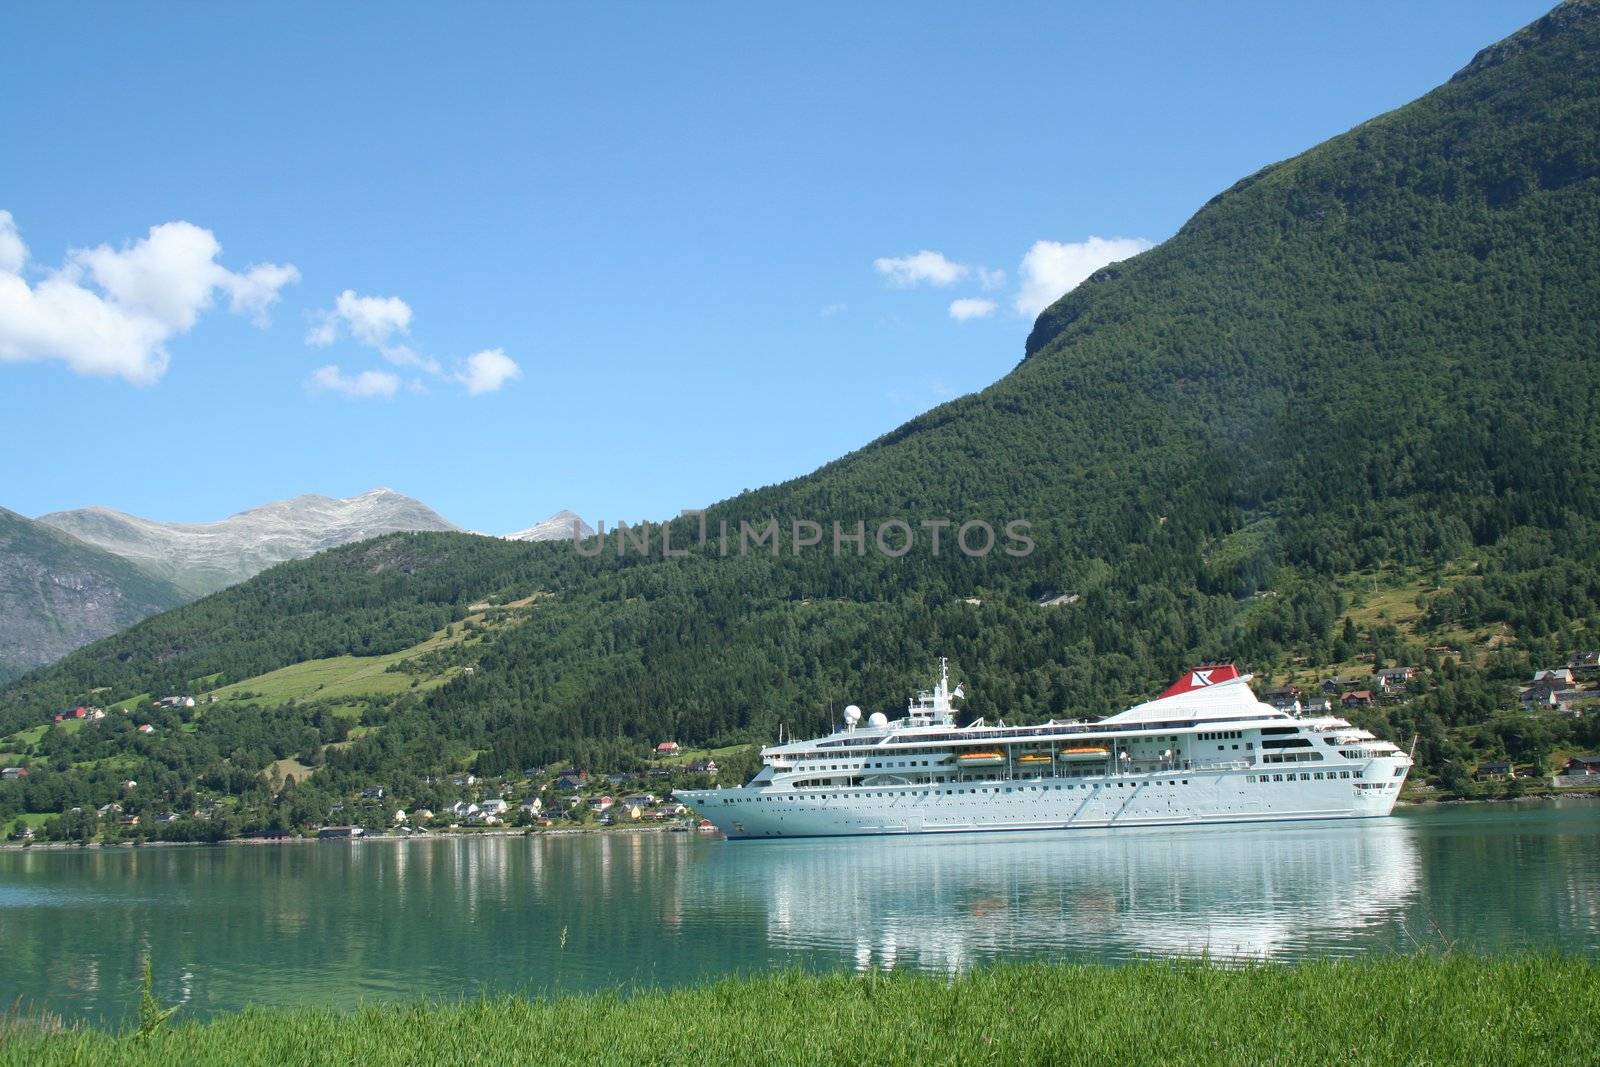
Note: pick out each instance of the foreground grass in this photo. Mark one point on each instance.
(1418, 1010)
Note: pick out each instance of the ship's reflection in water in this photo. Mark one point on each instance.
(947, 903)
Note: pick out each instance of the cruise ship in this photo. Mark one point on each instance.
(1205, 751)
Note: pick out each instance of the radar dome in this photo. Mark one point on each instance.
(878, 718)
(852, 714)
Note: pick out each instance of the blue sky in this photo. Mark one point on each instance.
(679, 232)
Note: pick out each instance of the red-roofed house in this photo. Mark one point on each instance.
(1357, 698)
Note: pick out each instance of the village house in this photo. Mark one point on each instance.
(1317, 704)
(599, 804)
(1357, 698)
(1286, 699)
(667, 748)
(422, 814)
(175, 702)
(703, 766)
(1535, 699)
(1582, 766)
(573, 779)
(146, 728)
(372, 793)
(1555, 678)
(531, 806)
(639, 800)
(1395, 677)
(1495, 771)
(11, 774)
(1584, 664)
(493, 807)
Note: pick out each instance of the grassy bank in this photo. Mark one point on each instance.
(1420, 1010)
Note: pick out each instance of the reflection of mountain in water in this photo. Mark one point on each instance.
(945, 904)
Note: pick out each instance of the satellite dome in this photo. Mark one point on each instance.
(878, 718)
(852, 714)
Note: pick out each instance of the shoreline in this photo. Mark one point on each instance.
(1580, 793)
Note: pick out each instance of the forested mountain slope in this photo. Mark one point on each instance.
(1375, 355)
(57, 593)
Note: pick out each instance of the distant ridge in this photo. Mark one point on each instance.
(557, 527)
(201, 558)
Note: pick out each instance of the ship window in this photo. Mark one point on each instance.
(1277, 777)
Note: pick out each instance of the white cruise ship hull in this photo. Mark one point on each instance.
(1205, 751)
(1170, 799)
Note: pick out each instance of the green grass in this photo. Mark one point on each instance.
(343, 677)
(690, 755)
(26, 739)
(1422, 1010)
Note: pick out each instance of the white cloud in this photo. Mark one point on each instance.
(991, 279)
(1051, 268)
(256, 290)
(971, 307)
(371, 320)
(406, 356)
(110, 312)
(13, 253)
(924, 266)
(830, 310)
(488, 370)
(366, 384)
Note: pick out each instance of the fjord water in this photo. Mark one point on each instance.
(341, 923)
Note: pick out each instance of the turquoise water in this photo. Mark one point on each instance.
(345, 922)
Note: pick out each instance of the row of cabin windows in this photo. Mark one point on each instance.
(1223, 735)
(1291, 757)
(1304, 776)
(976, 789)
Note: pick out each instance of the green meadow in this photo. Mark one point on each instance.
(1410, 1010)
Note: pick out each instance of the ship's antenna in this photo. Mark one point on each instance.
(944, 674)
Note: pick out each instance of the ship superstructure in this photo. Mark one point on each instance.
(1204, 751)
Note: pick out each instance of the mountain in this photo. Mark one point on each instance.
(204, 557)
(57, 593)
(1343, 416)
(558, 527)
